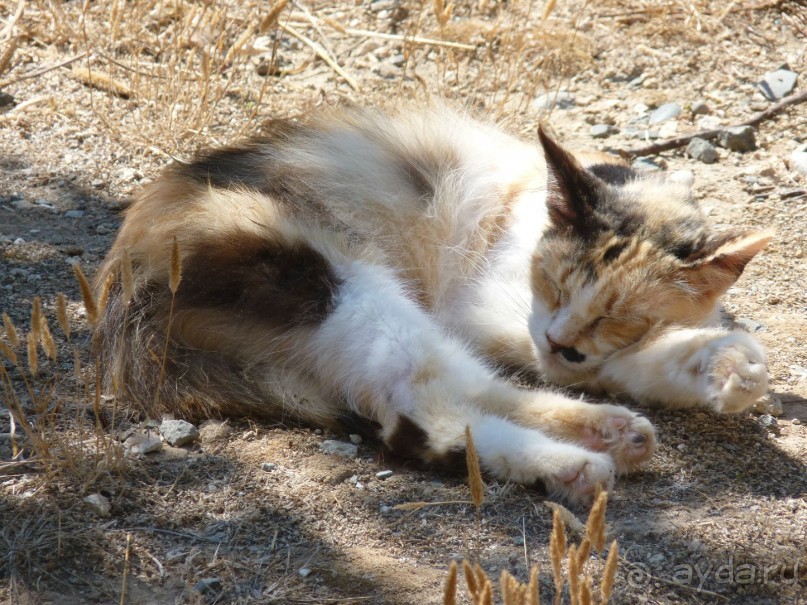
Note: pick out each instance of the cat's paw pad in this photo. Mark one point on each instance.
(737, 376)
(627, 436)
(576, 480)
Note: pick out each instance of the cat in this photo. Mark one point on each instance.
(395, 265)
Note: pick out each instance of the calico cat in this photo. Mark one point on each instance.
(390, 265)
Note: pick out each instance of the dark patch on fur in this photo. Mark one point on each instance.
(410, 442)
(614, 251)
(614, 174)
(259, 278)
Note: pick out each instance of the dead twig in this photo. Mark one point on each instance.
(676, 142)
(321, 53)
(403, 38)
(38, 72)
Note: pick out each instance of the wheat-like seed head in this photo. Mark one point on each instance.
(48, 344)
(127, 280)
(470, 579)
(450, 592)
(77, 365)
(586, 591)
(102, 81)
(271, 17)
(61, 315)
(595, 525)
(8, 353)
(86, 294)
(486, 595)
(574, 575)
(557, 549)
(176, 267)
(11, 331)
(8, 52)
(36, 319)
(534, 588)
(33, 362)
(609, 573)
(550, 6)
(583, 553)
(474, 471)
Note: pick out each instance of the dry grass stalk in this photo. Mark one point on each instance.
(61, 314)
(7, 54)
(46, 338)
(443, 12)
(586, 591)
(269, 21)
(486, 595)
(106, 289)
(176, 267)
(574, 574)
(470, 580)
(474, 470)
(322, 54)
(450, 592)
(550, 6)
(583, 553)
(86, 294)
(534, 587)
(9, 353)
(36, 319)
(595, 526)
(125, 569)
(11, 331)
(33, 362)
(608, 575)
(557, 552)
(102, 81)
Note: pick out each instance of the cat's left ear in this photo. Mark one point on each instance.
(572, 191)
(715, 273)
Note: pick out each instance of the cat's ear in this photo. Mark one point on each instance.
(572, 191)
(715, 273)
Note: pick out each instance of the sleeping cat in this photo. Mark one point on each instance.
(390, 265)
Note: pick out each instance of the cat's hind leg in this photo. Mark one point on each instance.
(390, 361)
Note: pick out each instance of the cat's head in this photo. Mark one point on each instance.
(623, 253)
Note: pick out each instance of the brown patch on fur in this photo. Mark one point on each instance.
(259, 278)
(512, 354)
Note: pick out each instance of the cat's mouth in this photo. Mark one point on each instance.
(558, 369)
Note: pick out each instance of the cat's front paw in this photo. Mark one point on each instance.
(626, 435)
(575, 477)
(736, 373)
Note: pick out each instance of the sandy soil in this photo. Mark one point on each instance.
(718, 516)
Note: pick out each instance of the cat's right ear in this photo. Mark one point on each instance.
(572, 191)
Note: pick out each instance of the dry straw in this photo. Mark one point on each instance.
(61, 315)
(176, 267)
(450, 593)
(474, 470)
(48, 343)
(11, 331)
(595, 526)
(610, 573)
(36, 319)
(33, 362)
(86, 294)
(557, 551)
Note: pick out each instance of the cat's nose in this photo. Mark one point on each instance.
(568, 353)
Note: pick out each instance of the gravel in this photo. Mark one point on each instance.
(702, 150)
(777, 84)
(178, 432)
(738, 138)
(340, 448)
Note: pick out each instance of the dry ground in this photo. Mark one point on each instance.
(719, 515)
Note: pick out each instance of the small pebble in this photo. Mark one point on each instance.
(668, 111)
(208, 585)
(98, 504)
(738, 138)
(304, 572)
(795, 421)
(749, 325)
(769, 422)
(268, 466)
(777, 84)
(702, 150)
(178, 432)
(74, 214)
(383, 475)
(355, 439)
(19, 241)
(340, 448)
(600, 131)
(769, 404)
(560, 99)
(699, 108)
(798, 162)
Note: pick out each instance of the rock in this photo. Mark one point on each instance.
(769, 405)
(98, 504)
(355, 439)
(702, 150)
(74, 214)
(147, 444)
(769, 422)
(738, 138)
(749, 325)
(208, 586)
(268, 467)
(178, 432)
(383, 475)
(340, 448)
(560, 99)
(600, 131)
(709, 123)
(777, 84)
(105, 228)
(795, 421)
(700, 108)
(798, 162)
(656, 559)
(97, 183)
(304, 572)
(668, 111)
(645, 165)
(19, 241)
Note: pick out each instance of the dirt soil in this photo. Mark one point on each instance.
(253, 513)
